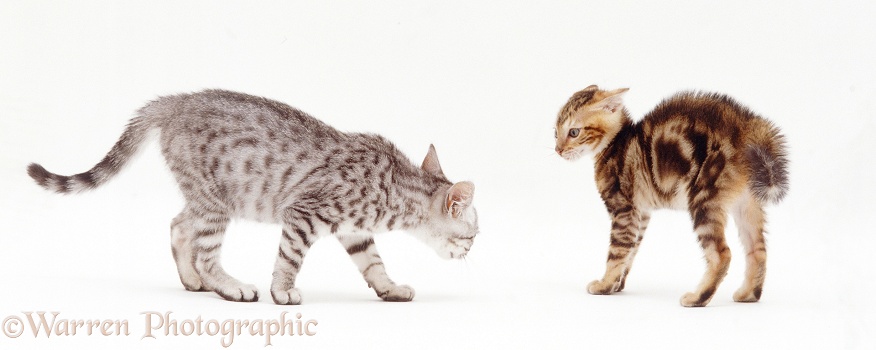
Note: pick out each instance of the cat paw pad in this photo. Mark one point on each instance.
(286, 297)
(746, 296)
(694, 300)
(192, 282)
(243, 292)
(600, 288)
(398, 293)
(197, 288)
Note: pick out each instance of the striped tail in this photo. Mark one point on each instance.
(132, 138)
(768, 158)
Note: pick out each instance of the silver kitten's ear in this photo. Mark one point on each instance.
(612, 102)
(459, 197)
(431, 164)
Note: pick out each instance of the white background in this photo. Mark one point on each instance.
(483, 82)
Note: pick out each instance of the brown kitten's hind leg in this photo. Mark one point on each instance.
(364, 253)
(709, 220)
(625, 236)
(748, 214)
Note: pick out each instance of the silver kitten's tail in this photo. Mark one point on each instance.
(132, 138)
(768, 159)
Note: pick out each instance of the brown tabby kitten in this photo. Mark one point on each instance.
(699, 152)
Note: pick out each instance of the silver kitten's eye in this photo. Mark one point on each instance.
(556, 133)
(574, 132)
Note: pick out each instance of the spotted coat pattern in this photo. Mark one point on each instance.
(241, 156)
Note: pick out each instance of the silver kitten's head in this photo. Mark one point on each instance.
(452, 222)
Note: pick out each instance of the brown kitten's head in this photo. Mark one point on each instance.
(589, 121)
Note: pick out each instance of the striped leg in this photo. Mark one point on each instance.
(709, 219)
(364, 253)
(298, 236)
(750, 219)
(207, 232)
(643, 225)
(181, 240)
(624, 239)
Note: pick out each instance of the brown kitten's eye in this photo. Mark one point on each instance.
(574, 132)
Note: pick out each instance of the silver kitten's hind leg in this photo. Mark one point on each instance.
(181, 240)
(198, 239)
(364, 253)
(297, 238)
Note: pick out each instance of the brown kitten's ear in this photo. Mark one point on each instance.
(459, 197)
(591, 88)
(612, 101)
(431, 164)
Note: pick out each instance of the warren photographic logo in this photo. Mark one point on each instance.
(157, 325)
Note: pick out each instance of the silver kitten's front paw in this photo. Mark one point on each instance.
(600, 288)
(397, 293)
(195, 286)
(191, 281)
(286, 297)
(239, 292)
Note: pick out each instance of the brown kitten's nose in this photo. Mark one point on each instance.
(559, 150)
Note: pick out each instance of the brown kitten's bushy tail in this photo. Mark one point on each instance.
(768, 159)
(127, 145)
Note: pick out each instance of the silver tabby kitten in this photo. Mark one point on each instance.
(241, 156)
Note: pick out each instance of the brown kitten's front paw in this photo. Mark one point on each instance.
(397, 293)
(694, 300)
(241, 292)
(601, 288)
(622, 284)
(745, 295)
(286, 297)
